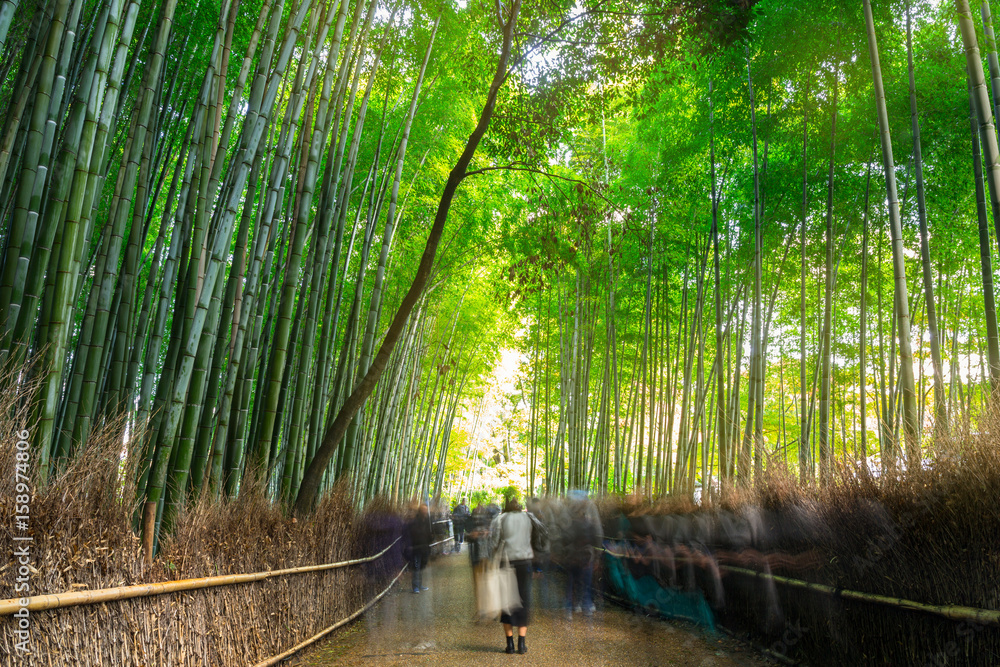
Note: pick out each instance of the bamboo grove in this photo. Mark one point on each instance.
(722, 236)
(204, 209)
(777, 252)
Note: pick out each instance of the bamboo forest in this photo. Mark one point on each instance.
(345, 255)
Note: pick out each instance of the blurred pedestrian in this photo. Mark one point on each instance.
(417, 543)
(581, 543)
(511, 533)
(459, 522)
(547, 512)
(478, 534)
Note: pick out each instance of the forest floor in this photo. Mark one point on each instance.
(436, 627)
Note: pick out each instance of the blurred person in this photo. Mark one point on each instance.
(511, 533)
(478, 534)
(544, 511)
(492, 510)
(381, 526)
(580, 545)
(417, 541)
(459, 522)
(440, 523)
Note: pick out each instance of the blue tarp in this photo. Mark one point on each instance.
(646, 592)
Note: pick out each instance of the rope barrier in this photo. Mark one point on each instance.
(69, 599)
(298, 647)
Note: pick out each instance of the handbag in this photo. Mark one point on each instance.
(540, 543)
(497, 587)
(510, 596)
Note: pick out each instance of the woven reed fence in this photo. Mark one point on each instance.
(73, 598)
(225, 620)
(81, 524)
(170, 623)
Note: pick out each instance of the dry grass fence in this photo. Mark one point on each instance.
(83, 540)
(932, 537)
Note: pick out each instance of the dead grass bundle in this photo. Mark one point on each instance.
(82, 526)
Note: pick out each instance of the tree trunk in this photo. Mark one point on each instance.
(863, 332)
(722, 424)
(309, 489)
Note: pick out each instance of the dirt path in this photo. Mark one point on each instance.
(435, 627)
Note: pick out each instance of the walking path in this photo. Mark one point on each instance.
(436, 627)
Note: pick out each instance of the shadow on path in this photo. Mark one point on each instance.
(436, 627)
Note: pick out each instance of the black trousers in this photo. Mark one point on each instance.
(519, 617)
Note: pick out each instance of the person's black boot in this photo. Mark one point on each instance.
(510, 644)
(522, 648)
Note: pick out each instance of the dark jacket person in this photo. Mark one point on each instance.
(417, 540)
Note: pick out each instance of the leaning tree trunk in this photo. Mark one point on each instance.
(309, 488)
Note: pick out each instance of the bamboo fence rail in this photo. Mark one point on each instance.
(954, 612)
(69, 599)
(301, 645)
(442, 541)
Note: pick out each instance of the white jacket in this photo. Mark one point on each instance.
(514, 529)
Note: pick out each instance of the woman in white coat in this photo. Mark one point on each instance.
(511, 531)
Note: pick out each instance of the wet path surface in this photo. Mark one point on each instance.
(437, 627)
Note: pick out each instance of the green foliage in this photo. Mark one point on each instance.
(509, 493)
(588, 205)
